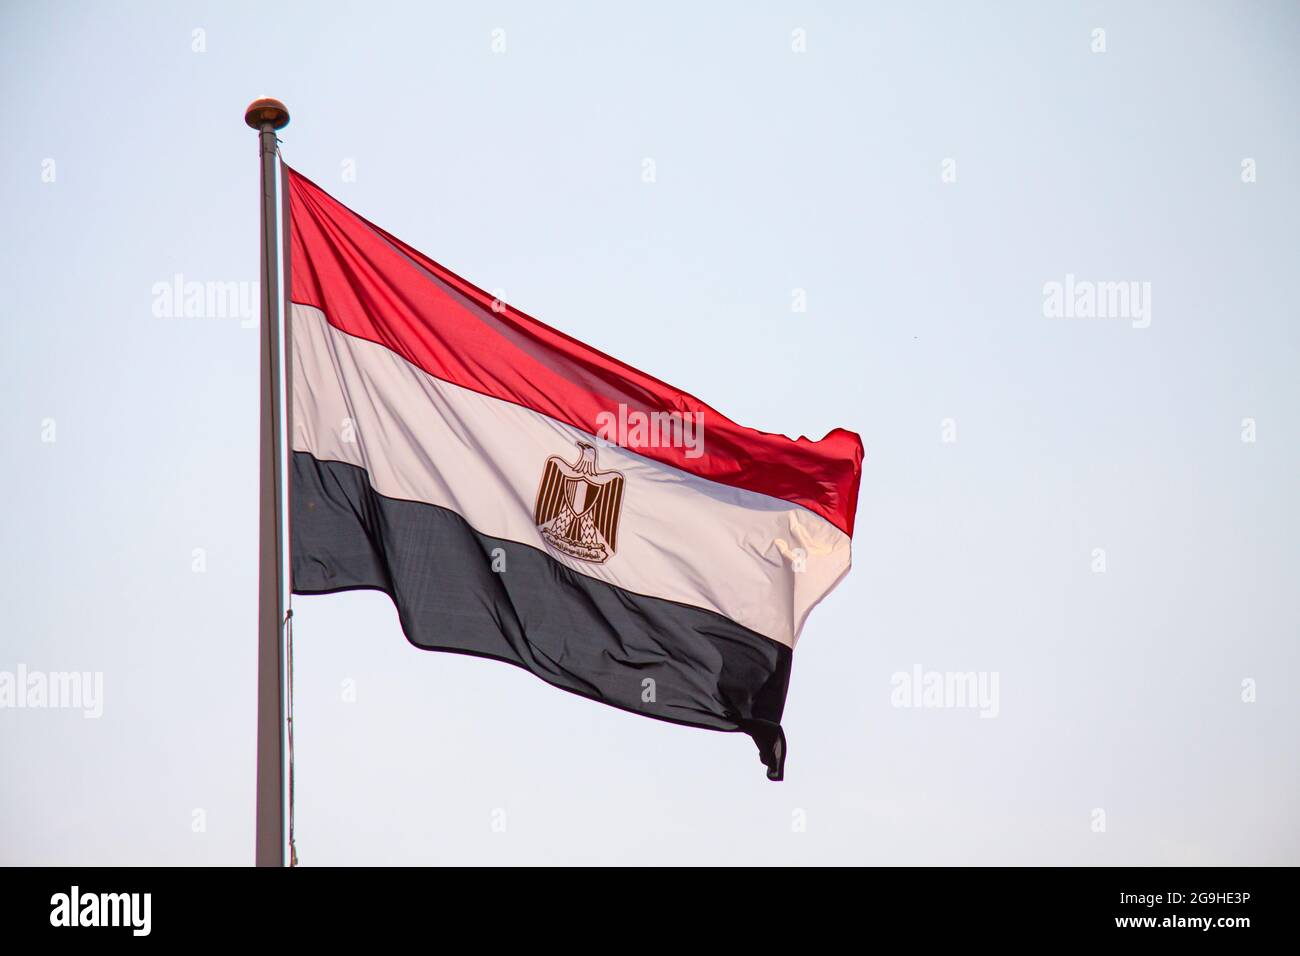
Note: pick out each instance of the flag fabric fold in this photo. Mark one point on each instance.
(524, 497)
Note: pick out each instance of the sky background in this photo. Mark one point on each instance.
(775, 171)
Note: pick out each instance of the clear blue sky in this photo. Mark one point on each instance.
(775, 171)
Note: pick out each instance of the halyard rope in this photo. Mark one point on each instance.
(288, 628)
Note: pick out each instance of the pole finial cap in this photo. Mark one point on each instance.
(266, 110)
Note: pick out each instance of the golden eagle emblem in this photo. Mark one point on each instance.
(578, 507)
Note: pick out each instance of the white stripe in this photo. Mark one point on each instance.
(680, 537)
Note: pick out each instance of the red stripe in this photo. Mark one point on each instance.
(372, 285)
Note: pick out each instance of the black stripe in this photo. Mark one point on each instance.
(577, 633)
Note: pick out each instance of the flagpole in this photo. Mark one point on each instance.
(266, 116)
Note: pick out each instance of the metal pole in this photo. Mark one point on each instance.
(267, 116)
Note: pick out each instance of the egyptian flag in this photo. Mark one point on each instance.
(524, 497)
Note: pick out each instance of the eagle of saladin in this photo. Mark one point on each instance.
(578, 507)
